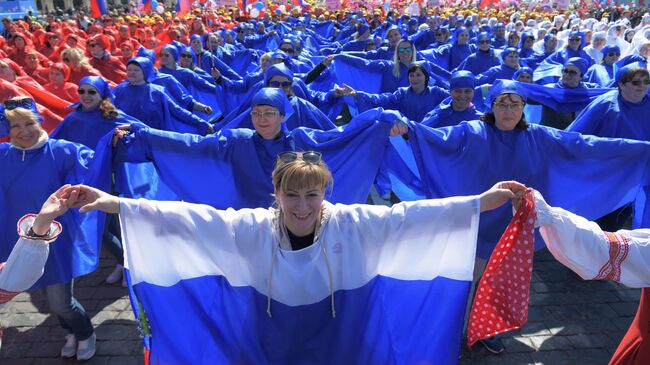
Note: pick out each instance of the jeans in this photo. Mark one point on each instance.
(112, 238)
(70, 313)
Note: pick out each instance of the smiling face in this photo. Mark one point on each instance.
(24, 130)
(405, 53)
(166, 58)
(512, 60)
(134, 74)
(89, 97)
(463, 37)
(571, 76)
(417, 80)
(461, 98)
(301, 208)
(196, 45)
(267, 121)
(394, 37)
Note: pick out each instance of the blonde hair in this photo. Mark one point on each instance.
(396, 62)
(300, 174)
(76, 55)
(22, 113)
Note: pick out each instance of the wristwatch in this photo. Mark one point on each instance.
(31, 233)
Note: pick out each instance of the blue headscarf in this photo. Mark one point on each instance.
(22, 102)
(148, 53)
(501, 87)
(275, 98)
(146, 65)
(522, 70)
(279, 69)
(621, 71)
(100, 84)
(462, 80)
(609, 49)
(172, 51)
(506, 52)
(578, 62)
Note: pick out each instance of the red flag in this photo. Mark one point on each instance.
(501, 302)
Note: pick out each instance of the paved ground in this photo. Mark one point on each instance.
(570, 321)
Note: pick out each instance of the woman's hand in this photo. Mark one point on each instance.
(399, 128)
(345, 90)
(501, 193)
(56, 205)
(120, 132)
(89, 199)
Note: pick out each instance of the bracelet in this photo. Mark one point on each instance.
(31, 233)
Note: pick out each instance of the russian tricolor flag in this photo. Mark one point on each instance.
(144, 6)
(381, 285)
(183, 7)
(97, 8)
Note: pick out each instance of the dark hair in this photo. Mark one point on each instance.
(109, 111)
(630, 74)
(416, 66)
(489, 118)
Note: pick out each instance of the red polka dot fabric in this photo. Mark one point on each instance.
(501, 301)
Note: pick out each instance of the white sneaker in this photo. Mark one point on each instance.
(86, 348)
(115, 275)
(70, 348)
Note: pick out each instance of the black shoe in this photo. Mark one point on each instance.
(493, 345)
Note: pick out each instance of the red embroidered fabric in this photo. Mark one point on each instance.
(618, 250)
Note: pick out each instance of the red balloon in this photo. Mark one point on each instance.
(262, 13)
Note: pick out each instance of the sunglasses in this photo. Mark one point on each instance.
(90, 92)
(308, 156)
(65, 59)
(185, 55)
(405, 50)
(265, 115)
(640, 82)
(25, 103)
(283, 84)
(569, 72)
(286, 50)
(92, 45)
(484, 41)
(613, 54)
(575, 39)
(164, 54)
(439, 34)
(504, 106)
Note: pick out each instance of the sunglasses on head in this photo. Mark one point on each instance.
(25, 103)
(640, 82)
(283, 84)
(308, 156)
(569, 72)
(405, 50)
(185, 55)
(90, 92)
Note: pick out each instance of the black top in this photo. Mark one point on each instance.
(300, 242)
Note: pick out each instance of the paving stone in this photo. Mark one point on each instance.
(534, 329)
(550, 343)
(124, 360)
(589, 341)
(588, 357)
(580, 326)
(517, 344)
(552, 357)
(625, 308)
(629, 295)
(120, 348)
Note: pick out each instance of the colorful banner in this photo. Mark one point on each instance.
(227, 3)
(17, 9)
(332, 5)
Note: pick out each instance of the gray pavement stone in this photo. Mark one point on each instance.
(589, 341)
(551, 343)
(589, 356)
(551, 357)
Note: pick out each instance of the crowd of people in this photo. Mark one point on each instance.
(295, 106)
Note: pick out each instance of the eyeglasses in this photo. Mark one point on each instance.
(613, 54)
(164, 55)
(639, 82)
(569, 72)
(90, 92)
(24, 103)
(65, 59)
(265, 115)
(283, 84)
(405, 50)
(484, 41)
(504, 106)
(185, 55)
(286, 50)
(308, 156)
